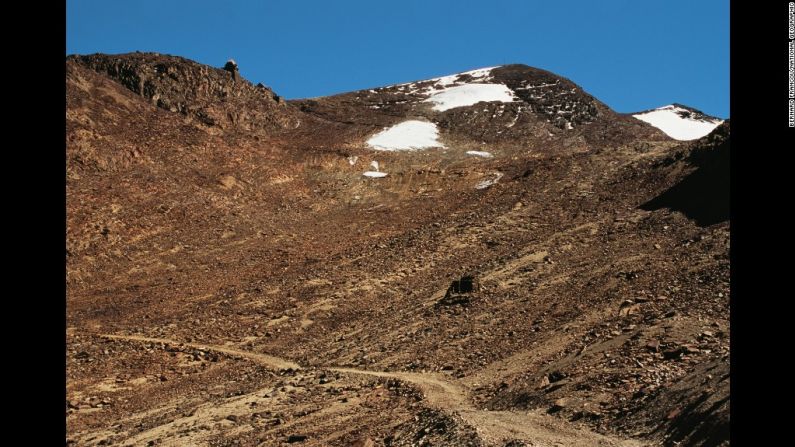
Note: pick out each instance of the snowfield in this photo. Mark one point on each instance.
(675, 126)
(448, 92)
(469, 94)
(406, 136)
(480, 74)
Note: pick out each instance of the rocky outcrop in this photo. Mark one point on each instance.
(209, 95)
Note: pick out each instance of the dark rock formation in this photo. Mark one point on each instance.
(207, 94)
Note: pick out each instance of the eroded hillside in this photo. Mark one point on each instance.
(239, 281)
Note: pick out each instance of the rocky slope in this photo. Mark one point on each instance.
(239, 281)
(214, 97)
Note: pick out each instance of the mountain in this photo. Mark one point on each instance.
(502, 105)
(488, 258)
(680, 122)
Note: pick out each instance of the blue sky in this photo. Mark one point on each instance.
(632, 55)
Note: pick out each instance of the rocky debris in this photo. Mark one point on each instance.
(556, 99)
(558, 405)
(269, 243)
(517, 443)
(432, 427)
(364, 442)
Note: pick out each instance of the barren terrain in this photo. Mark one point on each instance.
(234, 279)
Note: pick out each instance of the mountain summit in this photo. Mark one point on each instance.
(680, 122)
(497, 105)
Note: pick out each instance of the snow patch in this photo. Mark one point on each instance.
(468, 94)
(668, 120)
(483, 154)
(375, 174)
(481, 74)
(406, 136)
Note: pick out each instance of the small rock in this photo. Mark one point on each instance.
(629, 310)
(674, 413)
(558, 405)
(556, 376)
(364, 442)
(296, 438)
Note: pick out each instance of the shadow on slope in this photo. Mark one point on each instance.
(703, 195)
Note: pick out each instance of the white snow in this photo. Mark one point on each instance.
(406, 136)
(447, 92)
(468, 94)
(480, 154)
(375, 174)
(480, 73)
(531, 87)
(666, 119)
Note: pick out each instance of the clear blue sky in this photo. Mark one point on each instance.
(633, 55)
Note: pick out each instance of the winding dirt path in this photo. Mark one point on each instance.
(494, 427)
(263, 359)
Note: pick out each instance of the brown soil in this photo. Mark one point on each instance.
(236, 281)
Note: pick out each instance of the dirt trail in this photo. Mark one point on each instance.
(494, 427)
(497, 427)
(264, 359)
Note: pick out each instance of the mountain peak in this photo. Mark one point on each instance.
(679, 121)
